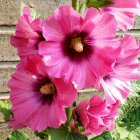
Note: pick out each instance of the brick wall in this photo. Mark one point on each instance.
(9, 13)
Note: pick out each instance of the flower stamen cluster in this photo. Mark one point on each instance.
(77, 45)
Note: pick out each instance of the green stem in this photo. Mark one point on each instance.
(75, 4)
(69, 116)
(82, 7)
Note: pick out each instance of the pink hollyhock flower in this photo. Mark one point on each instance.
(124, 12)
(39, 101)
(80, 48)
(28, 34)
(117, 84)
(95, 116)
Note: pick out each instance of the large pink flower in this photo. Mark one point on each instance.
(28, 34)
(39, 101)
(117, 84)
(124, 12)
(95, 116)
(80, 48)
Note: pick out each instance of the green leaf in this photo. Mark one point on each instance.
(18, 136)
(64, 134)
(5, 109)
(103, 136)
(99, 3)
(42, 135)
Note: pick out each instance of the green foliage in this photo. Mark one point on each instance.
(16, 135)
(64, 134)
(128, 122)
(42, 136)
(99, 3)
(104, 136)
(5, 109)
(135, 88)
(130, 114)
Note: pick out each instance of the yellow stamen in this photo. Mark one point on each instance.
(48, 89)
(76, 44)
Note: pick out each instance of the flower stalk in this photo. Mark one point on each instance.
(82, 7)
(75, 4)
(69, 116)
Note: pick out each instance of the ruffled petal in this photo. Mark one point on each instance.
(63, 22)
(14, 124)
(66, 91)
(116, 89)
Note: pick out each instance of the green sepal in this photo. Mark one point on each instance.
(99, 3)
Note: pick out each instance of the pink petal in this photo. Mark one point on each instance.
(124, 4)
(24, 29)
(37, 25)
(82, 114)
(26, 11)
(92, 14)
(116, 89)
(67, 94)
(64, 15)
(105, 27)
(127, 65)
(14, 124)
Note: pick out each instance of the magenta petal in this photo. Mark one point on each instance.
(116, 89)
(95, 116)
(37, 25)
(24, 29)
(64, 15)
(14, 124)
(105, 27)
(95, 100)
(46, 116)
(94, 122)
(92, 14)
(26, 11)
(127, 65)
(82, 114)
(124, 13)
(124, 4)
(67, 93)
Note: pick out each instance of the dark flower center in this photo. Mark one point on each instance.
(48, 89)
(45, 90)
(76, 44)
